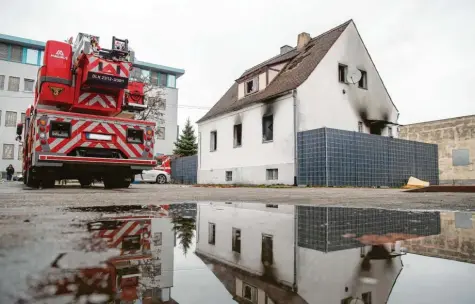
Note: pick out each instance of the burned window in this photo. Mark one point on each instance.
(249, 292)
(363, 83)
(268, 128)
(342, 72)
(237, 135)
(272, 174)
(213, 141)
(251, 86)
(267, 254)
(360, 126)
(236, 245)
(211, 233)
(229, 176)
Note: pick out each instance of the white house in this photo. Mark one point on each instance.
(250, 134)
(261, 242)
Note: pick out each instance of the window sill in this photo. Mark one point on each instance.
(362, 88)
(213, 150)
(237, 146)
(267, 141)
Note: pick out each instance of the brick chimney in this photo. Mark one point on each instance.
(302, 40)
(285, 49)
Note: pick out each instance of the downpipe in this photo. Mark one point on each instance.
(294, 98)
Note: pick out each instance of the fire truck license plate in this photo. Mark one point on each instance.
(107, 78)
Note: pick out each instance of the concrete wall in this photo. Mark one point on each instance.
(448, 134)
(323, 277)
(456, 241)
(250, 161)
(321, 101)
(253, 220)
(16, 102)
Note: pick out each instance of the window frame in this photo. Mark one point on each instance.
(255, 80)
(10, 80)
(213, 141)
(27, 80)
(161, 130)
(272, 171)
(368, 300)
(360, 127)
(265, 117)
(13, 151)
(36, 55)
(212, 237)
(363, 82)
(344, 68)
(234, 247)
(7, 120)
(254, 293)
(235, 137)
(228, 178)
(163, 77)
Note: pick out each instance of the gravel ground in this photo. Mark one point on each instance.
(15, 195)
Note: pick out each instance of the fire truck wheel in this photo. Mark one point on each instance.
(115, 182)
(85, 182)
(30, 181)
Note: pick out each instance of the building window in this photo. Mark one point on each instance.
(20, 152)
(460, 157)
(211, 233)
(363, 83)
(2, 82)
(251, 86)
(145, 75)
(360, 126)
(161, 133)
(237, 135)
(163, 80)
(268, 128)
(272, 174)
(22, 117)
(267, 254)
(390, 132)
(42, 53)
(31, 56)
(236, 246)
(249, 292)
(3, 51)
(342, 72)
(213, 140)
(16, 53)
(14, 84)
(157, 239)
(136, 73)
(8, 151)
(29, 83)
(366, 297)
(154, 78)
(0, 117)
(171, 81)
(10, 119)
(229, 176)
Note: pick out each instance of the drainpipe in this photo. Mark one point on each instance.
(296, 226)
(294, 97)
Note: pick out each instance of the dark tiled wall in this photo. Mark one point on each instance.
(329, 228)
(331, 157)
(184, 169)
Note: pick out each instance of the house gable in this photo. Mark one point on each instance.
(324, 101)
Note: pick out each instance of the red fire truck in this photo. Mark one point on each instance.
(81, 124)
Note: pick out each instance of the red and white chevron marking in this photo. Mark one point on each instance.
(91, 99)
(109, 67)
(127, 228)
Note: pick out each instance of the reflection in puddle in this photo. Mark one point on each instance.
(254, 253)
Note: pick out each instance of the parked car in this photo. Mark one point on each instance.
(153, 176)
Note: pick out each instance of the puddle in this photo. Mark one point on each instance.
(243, 253)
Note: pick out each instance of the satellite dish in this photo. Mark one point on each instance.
(353, 76)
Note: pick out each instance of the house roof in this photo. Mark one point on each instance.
(299, 67)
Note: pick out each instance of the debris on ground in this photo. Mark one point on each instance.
(415, 183)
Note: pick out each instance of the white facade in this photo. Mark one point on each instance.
(16, 102)
(254, 220)
(320, 277)
(319, 102)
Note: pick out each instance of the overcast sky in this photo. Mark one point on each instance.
(424, 50)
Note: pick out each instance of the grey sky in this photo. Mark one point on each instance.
(424, 50)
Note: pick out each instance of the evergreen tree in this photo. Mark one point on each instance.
(186, 144)
(184, 228)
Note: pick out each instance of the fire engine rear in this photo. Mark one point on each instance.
(81, 124)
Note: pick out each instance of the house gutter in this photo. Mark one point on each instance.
(294, 97)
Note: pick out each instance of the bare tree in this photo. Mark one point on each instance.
(156, 102)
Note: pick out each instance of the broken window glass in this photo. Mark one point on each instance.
(237, 135)
(251, 86)
(268, 128)
(213, 140)
(342, 70)
(363, 83)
